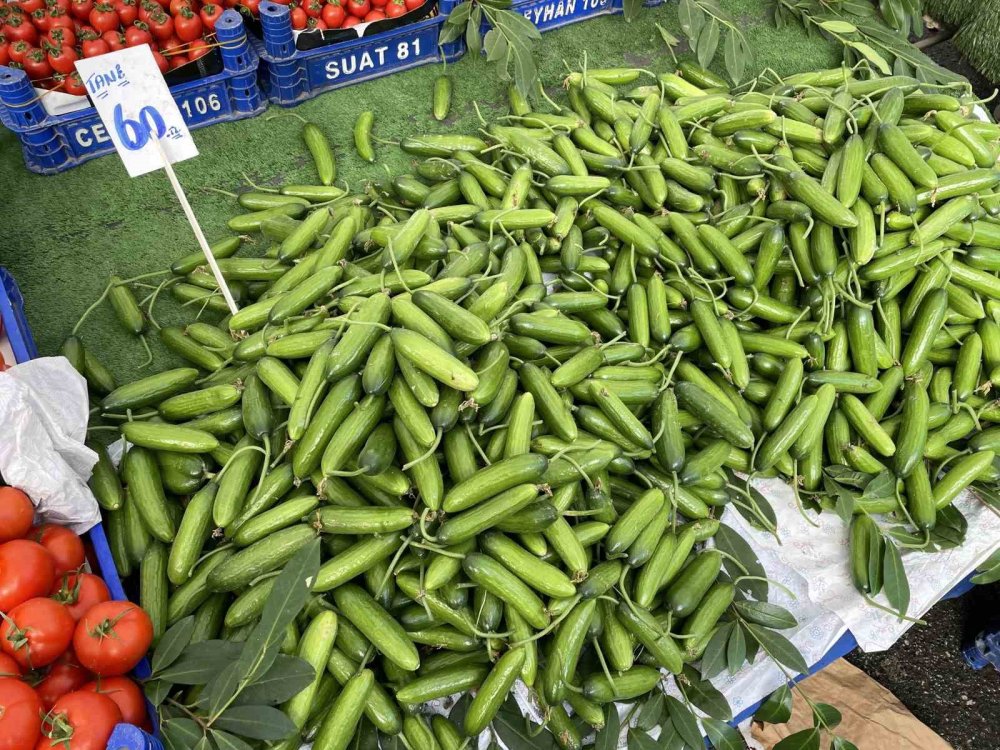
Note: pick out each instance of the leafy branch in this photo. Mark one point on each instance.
(509, 42)
(864, 38)
(235, 688)
(703, 22)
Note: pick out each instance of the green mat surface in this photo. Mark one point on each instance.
(65, 234)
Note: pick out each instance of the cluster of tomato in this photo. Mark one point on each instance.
(341, 14)
(47, 37)
(65, 646)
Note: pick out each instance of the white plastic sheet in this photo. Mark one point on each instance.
(43, 407)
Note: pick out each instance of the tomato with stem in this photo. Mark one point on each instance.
(81, 720)
(79, 592)
(210, 13)
(64, 676)
(127, 11)
(112, 637)
(333, 13)
(65, 547)
(188, 25)
(36, 632)
(103, 18)
(359, 8)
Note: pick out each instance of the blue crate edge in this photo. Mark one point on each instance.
(15, 324)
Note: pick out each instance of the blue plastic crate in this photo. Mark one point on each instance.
(291, 75)
(55, 143)
(15, 326)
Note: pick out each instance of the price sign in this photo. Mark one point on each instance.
(135, 104)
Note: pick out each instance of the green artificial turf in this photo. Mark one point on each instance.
(64, 234)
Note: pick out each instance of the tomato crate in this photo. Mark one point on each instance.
(298, 66)
(22, 344)
(227, 90)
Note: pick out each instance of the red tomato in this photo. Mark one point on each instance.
(161, 26)
(413, 4)
(359, 8)
(81, 8)
(15, 508)
(333, 13)
(63, 4)
(316, 24)
(175, 6)
(252, 5)
(63, 60)
(95, 47)
(147, 8)
(29, 6)
(210, 13)
(60, 36)
(283, 2)
(26, 567)
(126, 694)
(103, 18)
(60, 17)
(197, 49)
(299, 18)
(79, 592)
(19, 28)
(65, 676)
(350, 21)
(188, 25)
(36, 632)
(74, 85)
(9, 666)
(313, 8)
(4, 60)
(113, 636)
(138, 34)
(395, 8)
(177, 60)
(81, 720)
(115, 39)
(18, 50)
(40, 19)
(374, 15)
(20, 715)
(65, 547)
(127, 12)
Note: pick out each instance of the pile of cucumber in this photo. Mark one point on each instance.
(510, 389)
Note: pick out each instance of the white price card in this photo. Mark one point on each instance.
(135, 104)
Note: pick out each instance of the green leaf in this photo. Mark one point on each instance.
(826, 716)
(876, 556)
(766, 614)
(450, 32)
(704, 695)
(839, 743)
(988, 495)
(651, 711)
(807, 739)
(631, 9)
(713, 661)
(607, 738)
(722, 736)
(708, 42)
(639, 740)
(736, 650)
(256, 723)
(684, 722)
(201, 661)
(172, 643)
(882, 486)
(989, 570)
(760, 510)
(779, 648)
(495, 45)
(669, 39)
(512, 729)
(691, 18)
(872, 56)
(905, 535)
(457, 714)
(287, 677)
(735, 56)
(223, 688)
(288, 595)
(844, 498)
(669, 739)
(777, 708)
(838, 27)
(227, 741)
(847, 476)
(156, 691)
(472, 35)
(180, 734)
(895, 582)
(460, 14)
(730, 542)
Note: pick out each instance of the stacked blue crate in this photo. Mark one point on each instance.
(291, 75)
(55, 143)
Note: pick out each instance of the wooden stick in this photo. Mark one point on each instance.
(196, 228)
